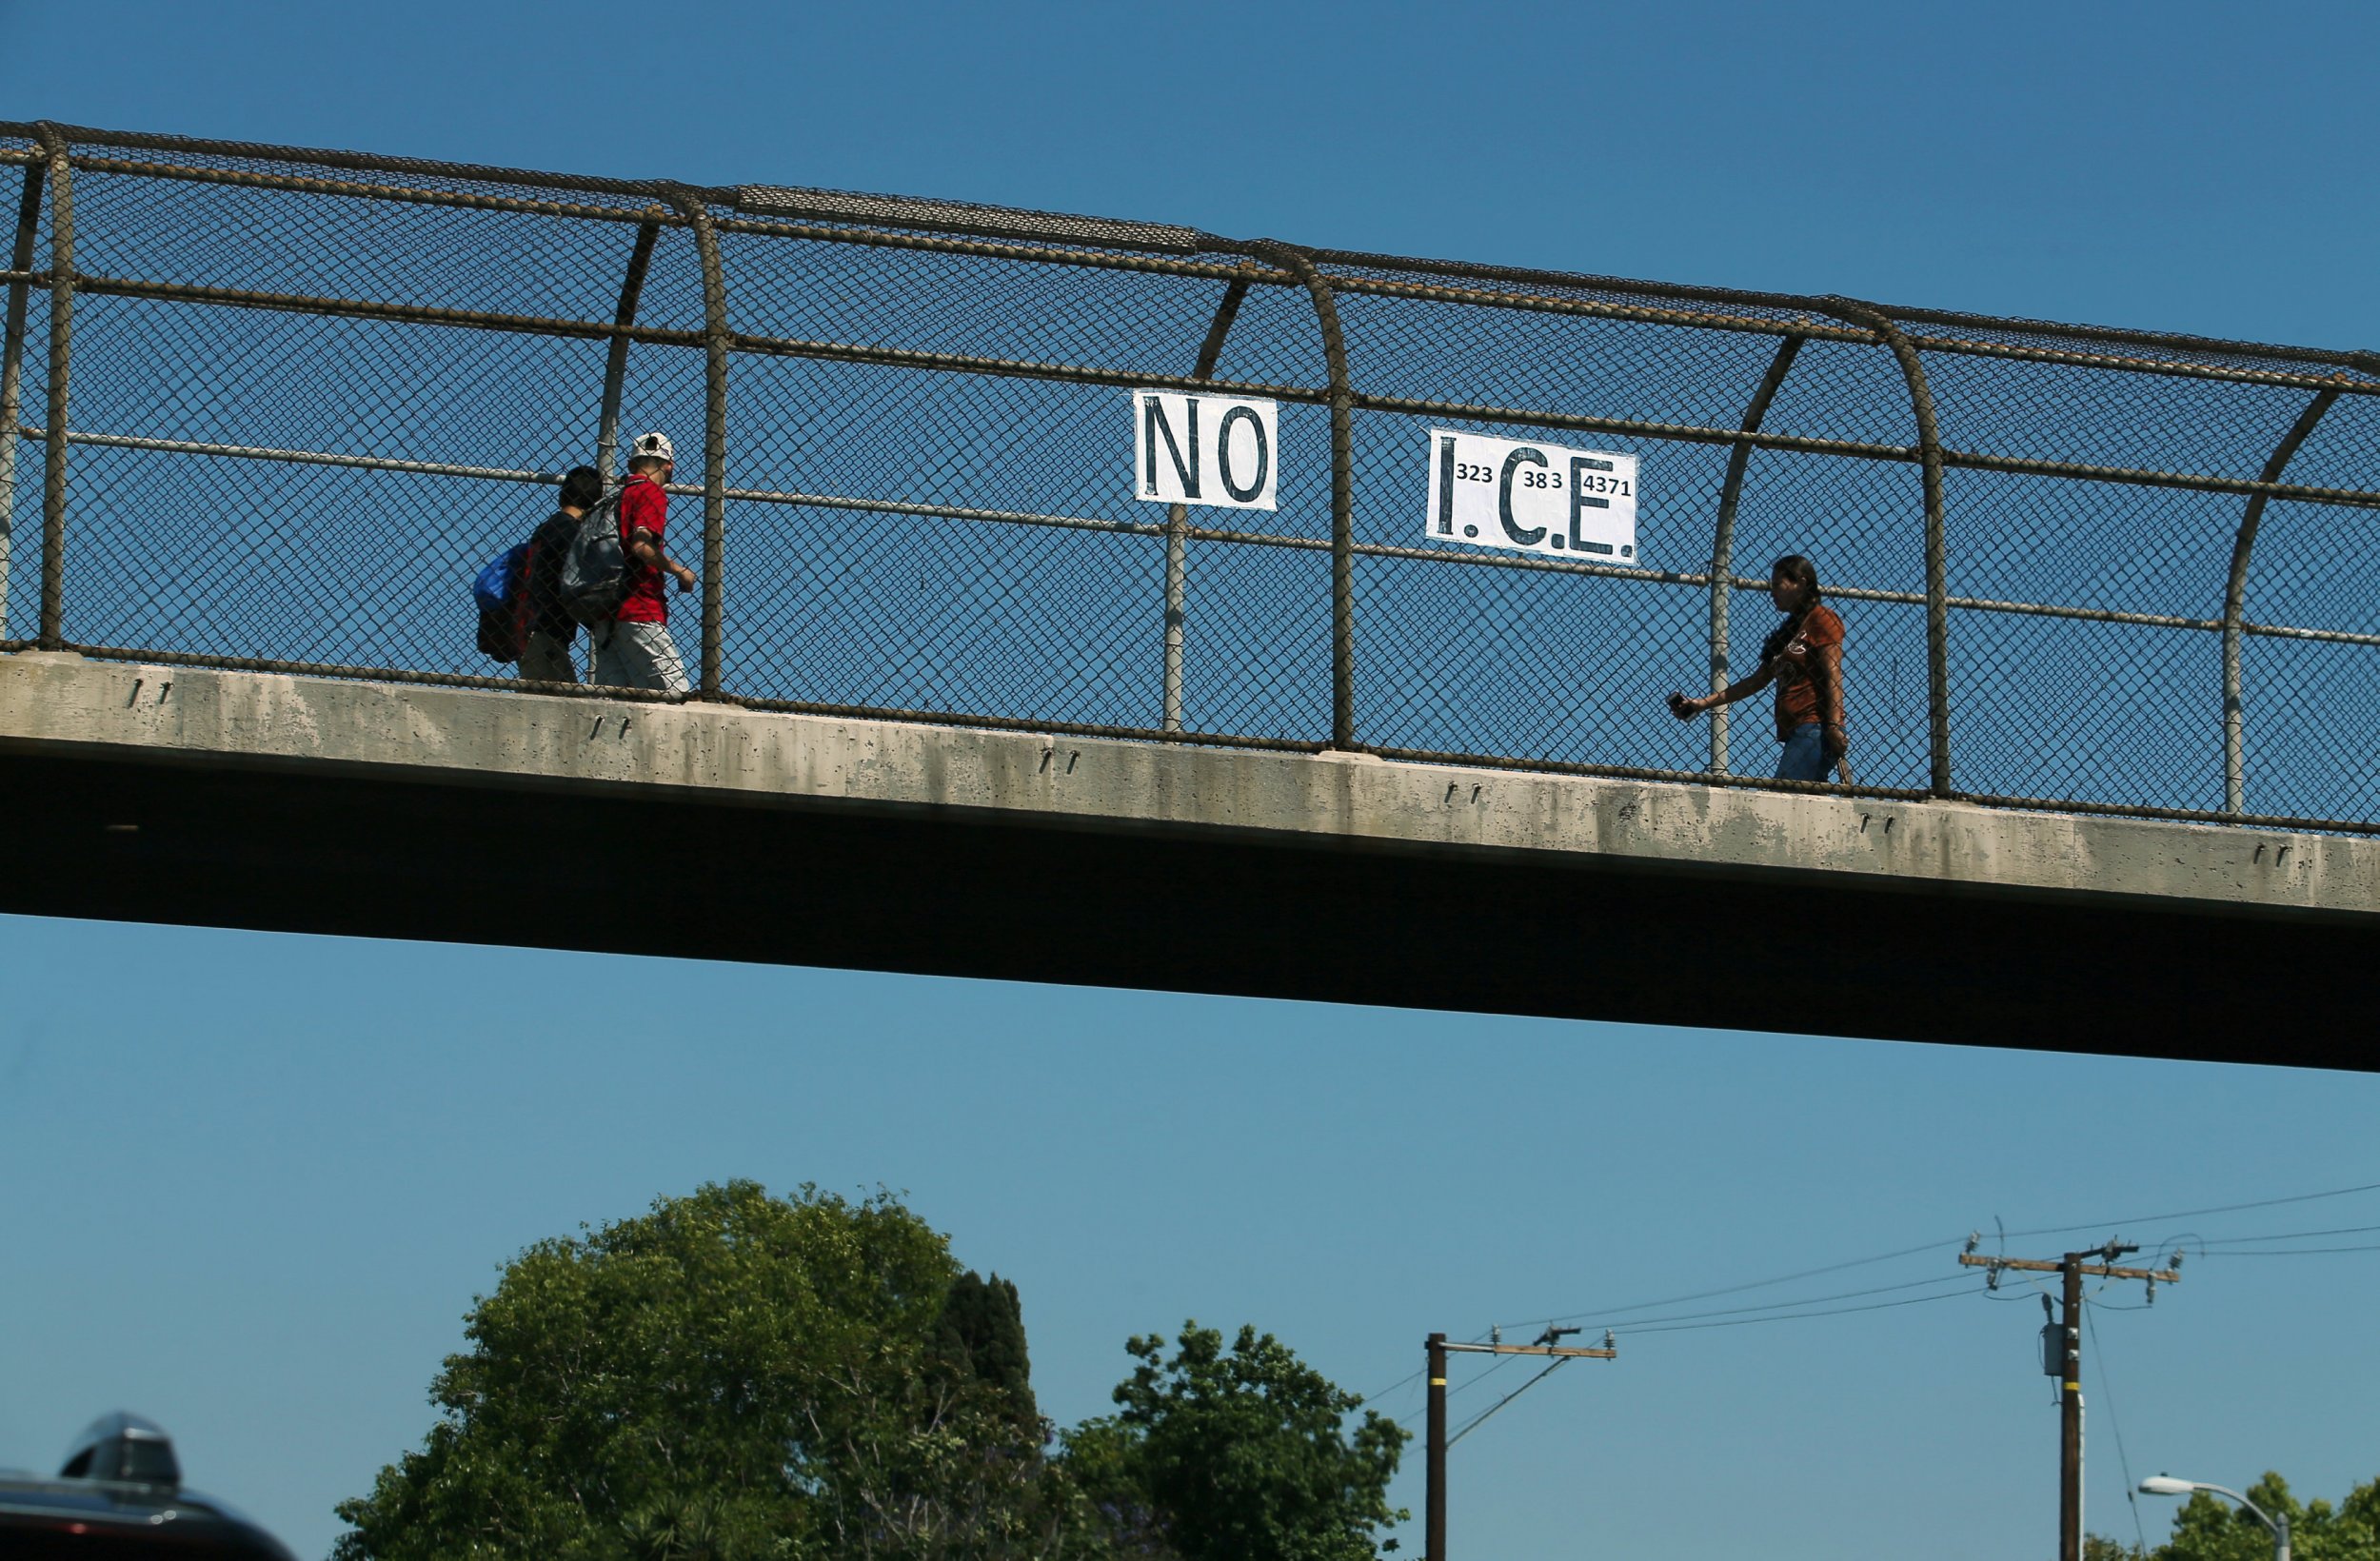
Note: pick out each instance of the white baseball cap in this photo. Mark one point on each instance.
(654, 446)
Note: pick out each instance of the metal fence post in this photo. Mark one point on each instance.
(1177, 519)
(1723, 537)
(715, 342)
(61, 346)
(2235, 605)
(1937, 565)
(616, 360)
(1297, 263)
(13, 368)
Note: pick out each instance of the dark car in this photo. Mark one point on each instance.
(120, 1498)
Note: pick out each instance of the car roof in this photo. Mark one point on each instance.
(200, 1525)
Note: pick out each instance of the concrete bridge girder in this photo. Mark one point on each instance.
(177, 793)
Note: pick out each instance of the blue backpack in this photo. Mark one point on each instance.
(499, 580)
(502, 605)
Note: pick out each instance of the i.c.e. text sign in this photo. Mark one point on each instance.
(1530, 497)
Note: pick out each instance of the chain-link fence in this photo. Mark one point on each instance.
(272, 408)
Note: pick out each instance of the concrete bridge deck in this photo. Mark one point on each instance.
(179, 794)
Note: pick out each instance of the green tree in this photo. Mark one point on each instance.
(981, 1337)
(1236, 1456)
(728, 1376)
(2209, 1528)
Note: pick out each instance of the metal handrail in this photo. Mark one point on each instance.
(944, 234)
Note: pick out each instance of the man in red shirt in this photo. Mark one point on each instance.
(634, 650)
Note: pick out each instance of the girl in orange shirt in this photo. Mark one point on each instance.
(1803, 657)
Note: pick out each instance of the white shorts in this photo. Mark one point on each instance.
(546, 659)
(636, 655)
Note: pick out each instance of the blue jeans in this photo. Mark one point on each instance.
(1804, 758)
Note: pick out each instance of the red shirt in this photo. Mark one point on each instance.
(644, 507)
(1798, 667)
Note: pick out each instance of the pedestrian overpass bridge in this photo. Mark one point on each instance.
(975, 698)
(261, 800)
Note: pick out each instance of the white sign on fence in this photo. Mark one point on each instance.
(1534, 498)
(1203, 451)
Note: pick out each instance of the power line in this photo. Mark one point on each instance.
(2221, 1246)
(1459, 1389)
(1501, 1361)
(2205, 1243)
(2179, 1241)
(2132, 1491)
(1796, 1316)
(1481, 1418)
(1650, 1324)
(1410, 1376)
(1797, 1310)
(1611, 1315)
(2193, 1213)
(1733, 1290)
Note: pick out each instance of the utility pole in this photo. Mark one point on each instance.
(1434, 1542)
(1548, 1344)
(2069, 1269)
(2069, 1403)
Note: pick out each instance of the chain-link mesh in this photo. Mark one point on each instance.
(311, 393)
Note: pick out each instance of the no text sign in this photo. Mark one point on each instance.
(1203, 449)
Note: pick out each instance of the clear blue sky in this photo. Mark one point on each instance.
(253, 1182)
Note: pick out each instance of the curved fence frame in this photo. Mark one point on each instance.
(54, 155)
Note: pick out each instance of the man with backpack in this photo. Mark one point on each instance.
(546, 647)
(633, 648)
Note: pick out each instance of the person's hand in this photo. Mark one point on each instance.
(684, 577)
(1832, 742)
(1686, 709)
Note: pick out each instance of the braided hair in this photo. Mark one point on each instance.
(1799, 570)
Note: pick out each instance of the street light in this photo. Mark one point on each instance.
(2166, 1485)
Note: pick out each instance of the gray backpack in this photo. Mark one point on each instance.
(594, 570)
